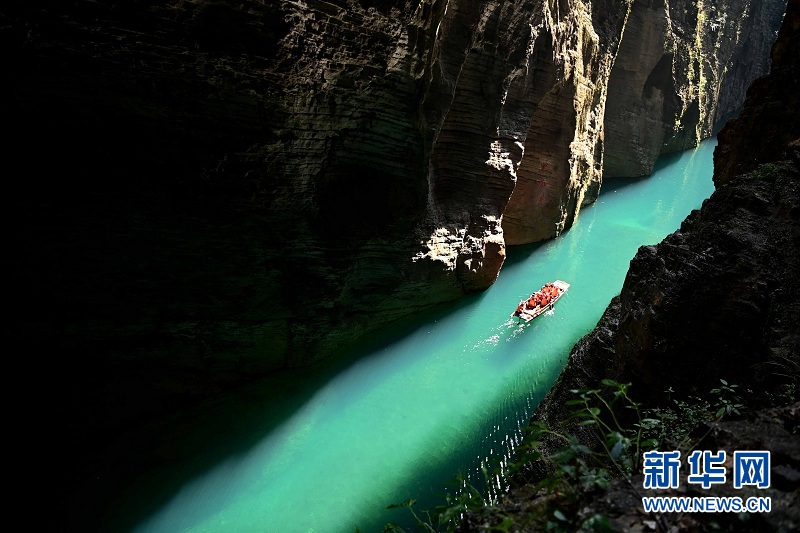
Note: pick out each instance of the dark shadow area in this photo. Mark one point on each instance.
(616, 184)
(724, 120)
(520, 253)
(147, 465)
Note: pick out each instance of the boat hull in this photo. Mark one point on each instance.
(529, 314)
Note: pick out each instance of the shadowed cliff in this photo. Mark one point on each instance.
(224, 190)
(681, 72)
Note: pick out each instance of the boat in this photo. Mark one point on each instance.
(549, 293)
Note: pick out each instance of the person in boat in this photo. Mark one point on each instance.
(520, 307)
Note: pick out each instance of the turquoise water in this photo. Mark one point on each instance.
(406, 409)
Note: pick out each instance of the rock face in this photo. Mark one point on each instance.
(681, 72)
(574, 44)
(718, 299)
(720, 295)
(766, 116)
(521, 68)
(224, 189)
(214, 190)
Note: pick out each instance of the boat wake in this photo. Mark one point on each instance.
(507, 330)
(493, 340)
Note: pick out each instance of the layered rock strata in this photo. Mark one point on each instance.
(574, 46)
(720, 295)
(681, 72)
(719, 298)
(233, 188)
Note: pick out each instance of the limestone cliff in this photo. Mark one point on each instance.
(574, 45)
(720, 296)
(681, 72)
(212, 190)
(222, 189)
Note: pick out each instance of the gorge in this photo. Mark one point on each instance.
(397, 415)
(222, 190)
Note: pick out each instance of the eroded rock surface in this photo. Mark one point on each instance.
(317, 163)
(719, 298)
(574, 44)
(681, 72)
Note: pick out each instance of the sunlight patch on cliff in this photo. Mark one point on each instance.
(447, 244)
(501, 159)
(443, 245)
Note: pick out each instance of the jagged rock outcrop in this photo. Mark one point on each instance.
(681, 72)
(765, 116)
(545, 115)
(575, 44)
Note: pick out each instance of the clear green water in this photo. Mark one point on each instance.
(409, 407)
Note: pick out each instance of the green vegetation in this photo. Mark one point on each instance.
(768, 172)
(606, 432)
(445, 517)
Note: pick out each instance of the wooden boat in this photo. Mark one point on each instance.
(527, 314)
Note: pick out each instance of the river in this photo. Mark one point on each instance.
(404, 410)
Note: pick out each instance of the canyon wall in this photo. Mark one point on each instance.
(561, 165)
(681, 72)
(216, 190)
(211, 190)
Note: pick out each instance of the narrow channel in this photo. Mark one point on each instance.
(406, 409)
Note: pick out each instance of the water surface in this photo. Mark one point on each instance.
(404, 410)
